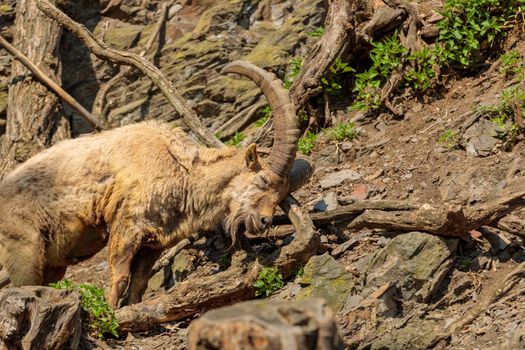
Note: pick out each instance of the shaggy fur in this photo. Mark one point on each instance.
(140, 189)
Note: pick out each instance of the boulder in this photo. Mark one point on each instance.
(267, 325)
(325, 278)
(414, 262)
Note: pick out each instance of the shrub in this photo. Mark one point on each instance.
(100, 317)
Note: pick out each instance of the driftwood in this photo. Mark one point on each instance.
(167, 88)
(235, 284)
(267, 322)
(39, 318)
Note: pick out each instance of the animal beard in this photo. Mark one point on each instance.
(234, 223)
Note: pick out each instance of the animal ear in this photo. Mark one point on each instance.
(252, 160)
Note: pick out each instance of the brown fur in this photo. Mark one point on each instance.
(140, 189)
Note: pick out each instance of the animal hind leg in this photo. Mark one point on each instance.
(140, 272)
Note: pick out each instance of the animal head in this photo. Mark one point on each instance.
(264, 183)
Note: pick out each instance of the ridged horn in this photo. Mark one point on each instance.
(284, 146)
(302, 171)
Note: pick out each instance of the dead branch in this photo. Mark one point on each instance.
(102, 51)
(339, 32)
(167, 257)
(447, 221)
(100, 98)
(44, 79)
(351, 211)
(227, 287)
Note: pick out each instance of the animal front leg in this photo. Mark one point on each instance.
(122, 250)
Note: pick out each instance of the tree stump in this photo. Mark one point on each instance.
(35, 119)
(39, 318)
(267, 325)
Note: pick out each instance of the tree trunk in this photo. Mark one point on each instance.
(34, 115)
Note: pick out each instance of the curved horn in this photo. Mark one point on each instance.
(284, 146)
(302, 171)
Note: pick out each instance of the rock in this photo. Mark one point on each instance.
(182, 265)
(360, 192)
(121, 35)
(327, 202)
(481, 138)
(345, 246)
(414, 262)
(337, 178)
(324, 277)
(39, 318)
(267, 325)
(414, 337)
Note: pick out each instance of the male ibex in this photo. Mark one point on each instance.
(142, 188)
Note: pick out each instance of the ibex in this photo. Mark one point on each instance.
(141, 188)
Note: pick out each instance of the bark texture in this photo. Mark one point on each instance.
(34, 114)
(40, 318)
(272, 325)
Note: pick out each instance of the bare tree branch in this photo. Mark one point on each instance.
(167, 88)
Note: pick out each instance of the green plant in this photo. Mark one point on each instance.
(307, 142)
(342, 131)
(470, 27)
(420, 75)
(266, 114)
(295, 68)
(502, 114)
(299, 272)
(333, 83)
(511, 63)
(316, 33)
(100, 316)
(236, 139)
(386, 56)
(269, 281)
(465, 264)
(368, 92)
(449, 138)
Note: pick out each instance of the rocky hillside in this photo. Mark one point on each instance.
(452, 146)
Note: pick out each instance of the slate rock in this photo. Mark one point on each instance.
(325, 278)
(414, 262)
(327, 202)
(337, 178)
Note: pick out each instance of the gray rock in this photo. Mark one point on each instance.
(337, 178)
(481, 138)
(345, 246)
(323, 277)
(182, 265)
(270, 325)
(327, 202)
(414, 262)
